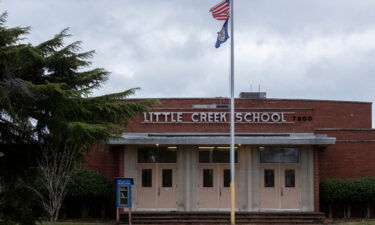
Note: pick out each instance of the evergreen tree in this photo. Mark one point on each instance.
(44, 96)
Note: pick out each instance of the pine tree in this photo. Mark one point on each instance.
(44, 96)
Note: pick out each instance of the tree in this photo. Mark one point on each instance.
(55, 169)
(45, 95)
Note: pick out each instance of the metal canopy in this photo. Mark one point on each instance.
(223, 139)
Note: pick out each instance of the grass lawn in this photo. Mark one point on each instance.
(78, 223)
(357, 223)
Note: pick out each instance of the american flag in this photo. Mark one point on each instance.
(221, 10)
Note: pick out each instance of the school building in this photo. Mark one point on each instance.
(178, 154)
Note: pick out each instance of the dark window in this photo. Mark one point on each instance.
(206, 156)
(167, 156)
(157, 155)
(208, 178)
(123, 195)
(226, 176)
(279, 155)
(290, 178)
(167, 177)
(146, 177)
(216, 156)
(269, 178)
(147, 155)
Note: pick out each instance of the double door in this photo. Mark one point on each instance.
(156, 186)
(280, 186)
(213, 186)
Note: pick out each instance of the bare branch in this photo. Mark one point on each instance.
(56, 166)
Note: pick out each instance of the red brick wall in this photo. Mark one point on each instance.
(103, 159)
(326, 114)
(353, 155)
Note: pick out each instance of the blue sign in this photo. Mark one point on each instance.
(124, 192)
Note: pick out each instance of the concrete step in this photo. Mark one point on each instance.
(223, 218)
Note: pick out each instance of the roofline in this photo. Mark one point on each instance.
(223, 139)
(266, 99)
(344, 129)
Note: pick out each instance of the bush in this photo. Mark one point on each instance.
(348, 190)
(90, 188)
(88, 184)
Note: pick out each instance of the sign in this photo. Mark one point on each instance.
(124, 192)
(215, 117)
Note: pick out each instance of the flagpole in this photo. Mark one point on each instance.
(232, 155)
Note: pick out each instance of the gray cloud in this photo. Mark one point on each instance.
(294, 49)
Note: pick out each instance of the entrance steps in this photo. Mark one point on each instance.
(218, 218)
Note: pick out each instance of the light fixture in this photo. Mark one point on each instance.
(206, 147)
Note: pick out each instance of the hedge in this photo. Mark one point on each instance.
(348, 190)
(89, 184)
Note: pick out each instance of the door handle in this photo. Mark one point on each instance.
(282, 191)
(219, 191)
(158, 191)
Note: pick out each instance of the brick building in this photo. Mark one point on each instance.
(178, 154)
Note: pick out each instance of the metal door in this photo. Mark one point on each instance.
(146, 185)
(280, 186)
(269, 186)
(166, 186)
(290, 186)
(208, 191)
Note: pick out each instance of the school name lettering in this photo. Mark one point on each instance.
(214, 117)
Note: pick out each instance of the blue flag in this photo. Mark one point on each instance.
(222, 36)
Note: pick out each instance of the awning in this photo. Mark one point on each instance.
(223, 139)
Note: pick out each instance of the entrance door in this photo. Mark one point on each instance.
(166, 186)
(214, 186)
(208, 190)
(269, 186)
(290, 186)
(224, 186)
(280, 186)
(146, 186)
(156, 186)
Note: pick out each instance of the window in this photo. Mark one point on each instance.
(279, 155)
(208, 178)
(146, 177)
(216, 156)
(269, 178)
(226, 178)
(167, 178)
(290, 178)
(157, 155)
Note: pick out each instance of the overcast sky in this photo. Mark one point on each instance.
(321, 49)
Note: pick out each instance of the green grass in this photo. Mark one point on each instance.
(75, 223)
(358, 223)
